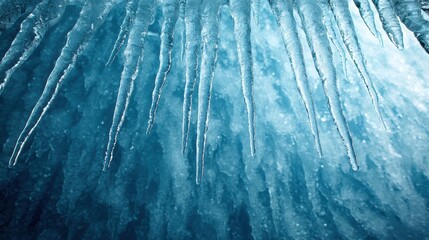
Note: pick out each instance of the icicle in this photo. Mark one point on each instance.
(193, 38)
(368, 17)
(183, 33)
(125, 29)
(32, 31)
(256, 4)
(92, 16)
(344, 21)
(240, 12)
(409, 11)
(209, 32)
(134, 54)
(171, 14)
(333, 35)
(287, 25)
(311, 18)
(390, 22)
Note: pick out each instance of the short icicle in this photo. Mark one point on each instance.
(134, 54)
(32, 31)
(311, 18)
(367, 15)
(126, 25)
(284, 15)
(171, 14)
(192, 51)
(240, 12)
(209, 32)
(390, 22)
(344, 21)
(409, 11)
(91, 17)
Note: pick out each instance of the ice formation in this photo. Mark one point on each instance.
(45, 14)
(193, 30)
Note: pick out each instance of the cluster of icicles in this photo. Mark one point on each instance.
(327, 24)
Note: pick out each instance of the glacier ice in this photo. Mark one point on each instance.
(74, 57)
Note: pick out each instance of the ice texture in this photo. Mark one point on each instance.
(310, 73)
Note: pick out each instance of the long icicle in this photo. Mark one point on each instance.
(240, 12)
(91, 17)
(126, 25)
(409, 11)
(193, 42)
(209, 33)
(134, 54)
(32, 31)
(311, 18)
(182, 5)
(367, 15)
(344, 21)
(390, 22)
(287, 25)
(171, 14)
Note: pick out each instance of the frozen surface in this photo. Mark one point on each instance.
(58, 189)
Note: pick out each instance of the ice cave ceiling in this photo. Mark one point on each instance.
(329, 142)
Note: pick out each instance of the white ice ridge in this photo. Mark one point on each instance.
(327, 24)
